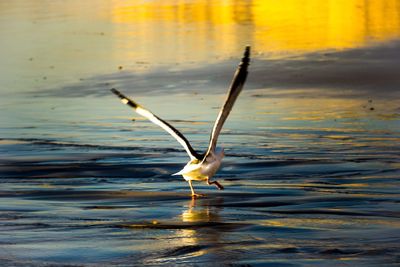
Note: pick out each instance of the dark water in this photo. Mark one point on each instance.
(83, 184)
(312, 164)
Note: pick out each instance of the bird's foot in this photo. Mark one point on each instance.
(219, 186)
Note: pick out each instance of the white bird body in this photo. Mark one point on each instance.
(202, 170)
(201, 167)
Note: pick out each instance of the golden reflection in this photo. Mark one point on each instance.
(318, 223)
(340, 109)
(269, 25)
(313, 24)
(80, 39)
(12, 142)
(199, 214)
(196, 216)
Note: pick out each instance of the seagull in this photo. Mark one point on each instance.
(201, 167)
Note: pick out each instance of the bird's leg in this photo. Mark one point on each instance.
(218, 185)
(192, 189)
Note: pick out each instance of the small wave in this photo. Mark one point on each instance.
(182, 225)
(337, 251)
(53, 143)
(322, 212)
(58, 194)
(61, 144)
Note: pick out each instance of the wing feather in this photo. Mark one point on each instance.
(160, 122)
(237, 83)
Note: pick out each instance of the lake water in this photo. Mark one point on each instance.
(312, 165)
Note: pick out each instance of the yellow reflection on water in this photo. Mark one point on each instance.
(269, 25)
(335, 107)
(197, 216)
(327, 223)
(45, 43)
(314, 24)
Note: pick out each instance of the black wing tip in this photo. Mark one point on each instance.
(246, 56)
(124, 99)
(116, 92)
(247, 51)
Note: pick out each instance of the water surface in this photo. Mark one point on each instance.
(311, 172)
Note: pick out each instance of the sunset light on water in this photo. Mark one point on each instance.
(311, 166)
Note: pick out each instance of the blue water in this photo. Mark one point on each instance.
(312, 165)
(314, 181)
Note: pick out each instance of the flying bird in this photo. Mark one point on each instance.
(201, 167)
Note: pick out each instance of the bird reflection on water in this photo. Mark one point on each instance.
(205, 234)
(200, 213)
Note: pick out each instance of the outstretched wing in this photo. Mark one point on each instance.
(160, 122)
(236, 87)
